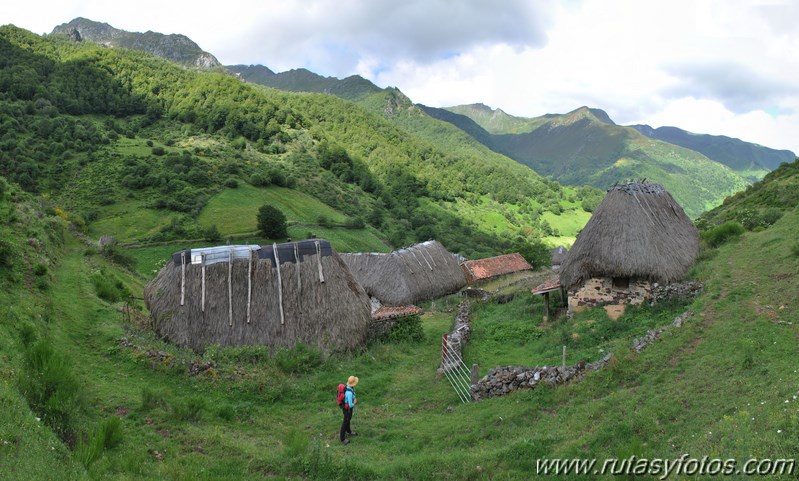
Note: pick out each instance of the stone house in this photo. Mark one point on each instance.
(638, 237)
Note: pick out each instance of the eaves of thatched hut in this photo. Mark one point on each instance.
(407, 276)
(493, 267)
(237, 295)
(639, 236)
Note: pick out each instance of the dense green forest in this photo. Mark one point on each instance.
(96, 128)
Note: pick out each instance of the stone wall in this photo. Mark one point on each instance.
(599, 290)
(507, 379)
(459, 335)
(504, 380)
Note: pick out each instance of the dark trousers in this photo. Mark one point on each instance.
(345, 425)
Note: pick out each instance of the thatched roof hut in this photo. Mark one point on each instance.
(638, 231)
(407, 276)
(235, 295)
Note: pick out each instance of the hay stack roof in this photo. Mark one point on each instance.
(638, 230)
(407, 276)
(491, 267)
(236, 295)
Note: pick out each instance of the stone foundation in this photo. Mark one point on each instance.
(598, 291)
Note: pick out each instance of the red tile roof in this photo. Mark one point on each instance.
(384, 313)
(548, 286)
(494, 266)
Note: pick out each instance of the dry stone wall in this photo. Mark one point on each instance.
(459, 335)
(599, 290)
(505, 380)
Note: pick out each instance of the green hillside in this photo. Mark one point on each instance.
(586, 147)
(751, 160)
(721, 386)
(496, 121)
(762, 203)
(142, 146)
(110, 142)
(353, 87)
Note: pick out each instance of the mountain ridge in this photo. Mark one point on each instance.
(175, 47)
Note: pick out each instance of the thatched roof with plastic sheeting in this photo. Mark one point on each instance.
(639, 231)
(407, 276)
(236, 295)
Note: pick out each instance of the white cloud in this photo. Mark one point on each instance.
(713, 66)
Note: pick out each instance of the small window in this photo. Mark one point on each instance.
(621, 282)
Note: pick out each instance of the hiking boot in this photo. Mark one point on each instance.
(346, 441)
(352, 434)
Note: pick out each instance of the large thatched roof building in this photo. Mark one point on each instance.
(236, 295)
(406, 276)
(639, 235)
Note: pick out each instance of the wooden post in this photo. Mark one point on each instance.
(444, 351)
(182, 277)
(474, 374)
(564, 359)
(279, 284)
(202, 261)
(230, 286)
(249, 286)
(546, 306)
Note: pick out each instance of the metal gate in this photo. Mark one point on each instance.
(456, 371)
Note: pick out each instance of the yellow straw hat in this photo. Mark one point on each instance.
(352, 381)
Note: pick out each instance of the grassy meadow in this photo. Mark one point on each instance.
(722, 385)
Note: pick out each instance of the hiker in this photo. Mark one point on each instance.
(348, 408)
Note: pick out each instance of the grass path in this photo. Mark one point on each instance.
(722, 385)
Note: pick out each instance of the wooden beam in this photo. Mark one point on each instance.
(546, 306)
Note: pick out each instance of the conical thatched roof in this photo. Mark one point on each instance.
(313, 298)
(407, 276)
(638, 230)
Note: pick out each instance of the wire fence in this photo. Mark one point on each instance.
(456, 371)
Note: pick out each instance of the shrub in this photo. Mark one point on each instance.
(231, 183)
(406, 329)
(7, 254)
(189, 409)
(237, 354)
(272, 222)
(535, 252)
(259, 180)
(40, 269)
(355, 223)
(723, 233)
(151, 399)
(298, 359)
(50, 387)
(212, 234)
(89, 449)
(27, 334)
(770, 216)
(226, 412)
(118, 255)
(107, 435)
(158, 150)
(109, 288)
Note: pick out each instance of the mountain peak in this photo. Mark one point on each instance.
(587, 113)
(175, 47)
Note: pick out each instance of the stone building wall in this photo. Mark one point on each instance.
(599, 291)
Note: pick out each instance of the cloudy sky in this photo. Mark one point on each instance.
(723, 67)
